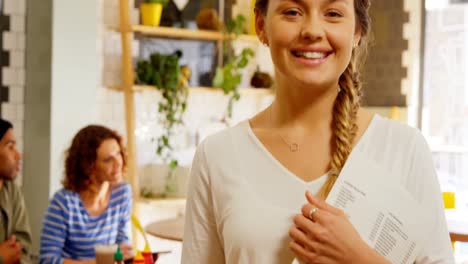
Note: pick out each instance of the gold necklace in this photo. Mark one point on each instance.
(293, 146)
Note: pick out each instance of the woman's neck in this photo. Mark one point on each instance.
(96, 193)
(303, 106)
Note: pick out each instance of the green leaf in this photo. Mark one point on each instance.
(219, 78)
(173, 165)
(243, 62)
(165, 140)
(248, 52)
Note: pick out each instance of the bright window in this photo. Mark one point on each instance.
(445, 100)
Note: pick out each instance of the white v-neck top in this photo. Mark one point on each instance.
(241, 200)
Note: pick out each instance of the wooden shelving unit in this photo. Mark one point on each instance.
(128, 32)
(182, 33)
(242, 91)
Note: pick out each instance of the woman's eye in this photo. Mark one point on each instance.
(291, 12)
(333, 14)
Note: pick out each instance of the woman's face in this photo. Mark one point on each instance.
(108, 165)
(310, 41)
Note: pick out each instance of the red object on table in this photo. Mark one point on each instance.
(148, 256)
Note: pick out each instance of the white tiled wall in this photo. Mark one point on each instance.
(13, 76)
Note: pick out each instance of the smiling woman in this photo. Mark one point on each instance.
(94, 206)
(246, 199)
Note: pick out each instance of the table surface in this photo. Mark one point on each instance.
(172, 229)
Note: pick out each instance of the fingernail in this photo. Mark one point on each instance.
(313, 198)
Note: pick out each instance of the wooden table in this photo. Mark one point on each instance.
(457, 223)
(172, 229)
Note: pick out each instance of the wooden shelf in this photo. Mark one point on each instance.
(242, 91)
(182, 33)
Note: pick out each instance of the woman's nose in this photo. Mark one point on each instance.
(312, 28)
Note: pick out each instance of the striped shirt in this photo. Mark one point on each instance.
(68, 230)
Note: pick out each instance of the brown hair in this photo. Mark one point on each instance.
(348, 100)
(82, 154)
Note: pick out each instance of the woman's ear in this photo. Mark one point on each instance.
(260, 27)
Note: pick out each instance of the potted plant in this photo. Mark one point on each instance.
(229, 76)
(164, 73)
(151, 11)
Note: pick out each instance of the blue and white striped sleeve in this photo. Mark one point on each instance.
(123, 235)
(53, 231)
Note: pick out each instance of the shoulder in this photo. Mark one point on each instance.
(394, 145)
(121, 193)
(62, 203)
(64, 198)
(401, 150)
(392, 137)
(393, 130)
(12, 189)
(123, 188)
(224, 140)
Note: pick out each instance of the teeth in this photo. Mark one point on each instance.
(311, 55)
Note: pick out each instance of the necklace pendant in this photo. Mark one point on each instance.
(294, 147)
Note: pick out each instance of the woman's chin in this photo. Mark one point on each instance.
(116, 180)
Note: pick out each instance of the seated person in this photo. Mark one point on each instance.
(94, 206)
(15, 234)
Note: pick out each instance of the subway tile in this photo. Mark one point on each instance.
(18, 23)
(8, 111)
(19, 111)
(108, 78)
(11, 7)
(135, 48)
(16, 94)
(21, 75)
(135, 17)
(108, 18)
(21, 7)
(18, 127)
(17, 59)
(101, 95)
(118, 111)
(9, 76)
(21, 38)
(9, 41)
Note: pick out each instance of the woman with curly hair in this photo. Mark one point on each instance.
(94, 206)
(246, 199)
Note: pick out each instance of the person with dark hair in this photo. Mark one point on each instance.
(94, 206)
(246, 199)
(15, 233)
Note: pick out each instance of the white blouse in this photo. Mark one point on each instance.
(241, 200)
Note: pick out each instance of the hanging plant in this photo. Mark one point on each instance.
(229, 76)
(164, 73)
